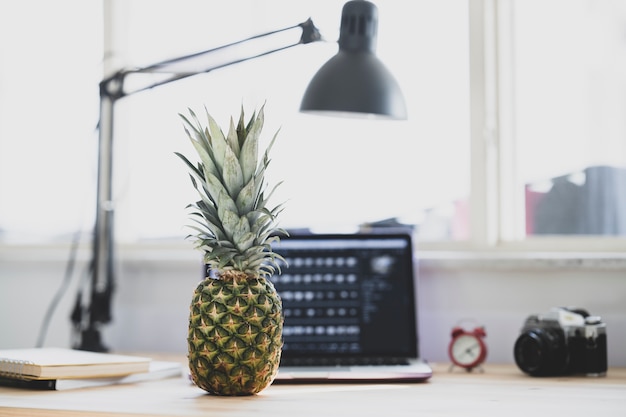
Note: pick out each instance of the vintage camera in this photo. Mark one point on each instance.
(562, 342)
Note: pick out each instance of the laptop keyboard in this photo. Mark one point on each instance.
(343, 361)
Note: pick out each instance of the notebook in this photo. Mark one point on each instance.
(157, 370)
(350, 309)
(58, 363)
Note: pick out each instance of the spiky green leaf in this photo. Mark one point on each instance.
(232, 139)
(233, 176)
(219, 193)
(249, 149)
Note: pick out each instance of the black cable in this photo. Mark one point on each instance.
(69, 270)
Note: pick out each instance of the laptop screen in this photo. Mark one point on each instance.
(347, 296)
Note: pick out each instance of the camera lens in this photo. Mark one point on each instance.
(541, 352)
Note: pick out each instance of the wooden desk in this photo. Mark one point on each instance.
(500, 391)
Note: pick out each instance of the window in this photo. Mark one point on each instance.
(337, 173)
(561, 134)
(50, 66)
(495, 94)
(568, 98)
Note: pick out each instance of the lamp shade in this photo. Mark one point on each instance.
(355, 81)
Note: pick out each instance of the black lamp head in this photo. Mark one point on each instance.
(355, 82)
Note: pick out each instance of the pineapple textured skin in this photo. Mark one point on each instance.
(235, 335)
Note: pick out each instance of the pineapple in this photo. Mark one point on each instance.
(235, 320)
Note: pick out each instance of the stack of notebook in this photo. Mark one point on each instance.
(61, 368)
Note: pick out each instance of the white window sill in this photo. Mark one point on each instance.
(175, 253)
(521, 260)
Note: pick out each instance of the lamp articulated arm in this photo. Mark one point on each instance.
(182, 67)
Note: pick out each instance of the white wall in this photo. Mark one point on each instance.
(501, 297)
(155, 286)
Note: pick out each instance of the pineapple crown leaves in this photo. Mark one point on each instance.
(232, 225)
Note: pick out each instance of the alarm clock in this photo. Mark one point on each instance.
(467, 348)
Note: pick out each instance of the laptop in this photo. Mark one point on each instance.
(349, 303)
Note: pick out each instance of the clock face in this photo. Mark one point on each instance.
(467, 350)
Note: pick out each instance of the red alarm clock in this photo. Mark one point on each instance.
(467, 348)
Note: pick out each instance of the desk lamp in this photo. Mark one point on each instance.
(353, 82)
